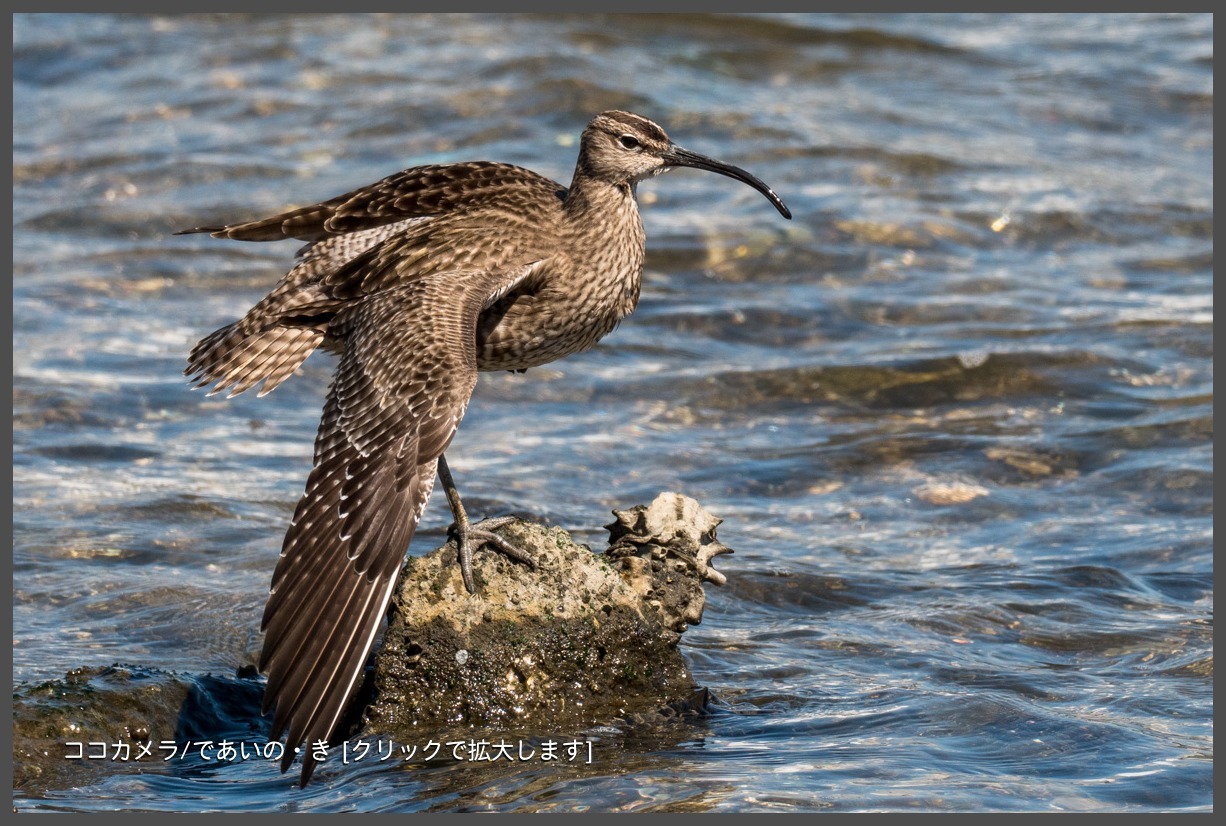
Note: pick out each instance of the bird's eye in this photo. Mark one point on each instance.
(630, 142)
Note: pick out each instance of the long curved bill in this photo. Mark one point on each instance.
(676, 156)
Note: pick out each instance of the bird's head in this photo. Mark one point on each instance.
(623, 148)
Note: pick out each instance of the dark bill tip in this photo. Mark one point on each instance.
(676, 156)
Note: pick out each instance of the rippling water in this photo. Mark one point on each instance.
(957, 415)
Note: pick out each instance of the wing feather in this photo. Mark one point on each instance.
(400, 390)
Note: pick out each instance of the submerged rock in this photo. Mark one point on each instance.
(100, 721)
(583, 639)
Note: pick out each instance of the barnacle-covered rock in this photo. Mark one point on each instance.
(582, 639)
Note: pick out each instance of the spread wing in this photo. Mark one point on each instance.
(426, 219)
(413, 193)
(400, 390)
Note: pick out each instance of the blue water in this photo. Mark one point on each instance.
(957, 415)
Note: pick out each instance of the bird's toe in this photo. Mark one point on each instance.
(481, 534)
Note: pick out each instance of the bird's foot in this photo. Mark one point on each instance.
(470, 537)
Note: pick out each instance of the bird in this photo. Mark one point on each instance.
(417, 282)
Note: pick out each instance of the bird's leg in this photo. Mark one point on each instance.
(470, 537)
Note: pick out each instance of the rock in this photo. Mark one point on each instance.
(949, 493)
(61, 728)
(583, 639)
(666, 551)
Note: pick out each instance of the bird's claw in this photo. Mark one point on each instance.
(470, 537)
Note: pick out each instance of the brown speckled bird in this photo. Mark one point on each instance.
(418, 282)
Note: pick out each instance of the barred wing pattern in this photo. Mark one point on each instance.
(420, 191)
(400, 390)
(426, 219)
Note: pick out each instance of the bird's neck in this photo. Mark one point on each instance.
(590, 197)
(605, 234)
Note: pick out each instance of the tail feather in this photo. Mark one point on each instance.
(237, 358)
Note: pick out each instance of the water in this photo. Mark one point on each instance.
(957, 415)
